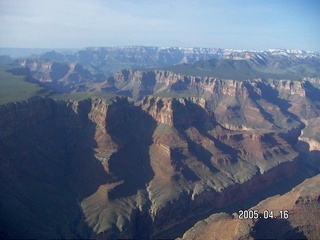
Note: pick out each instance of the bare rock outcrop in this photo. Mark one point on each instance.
(129, 168)
(138, 169)
(281, 216)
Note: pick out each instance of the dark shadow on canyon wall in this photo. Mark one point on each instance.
(272, 96)
(312, 92)
(131, 128)
(275, 229)
(188, 115)
(48, 166)
(244, 196)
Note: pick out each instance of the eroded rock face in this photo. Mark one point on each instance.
(38, 141)
(142, 83)
(294, 215)
(58, 76)
(176, 147)
(310, 134)
(138, 84)
(126, 169)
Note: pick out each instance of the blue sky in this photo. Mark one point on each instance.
(237, 24)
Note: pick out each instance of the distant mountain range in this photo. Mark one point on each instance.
(87, 69)
(160, 143)
(111, 59)
(254, 65)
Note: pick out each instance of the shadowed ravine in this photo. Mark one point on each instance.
(250, 193)
(177, 155)
(123, 169)
(47, 165)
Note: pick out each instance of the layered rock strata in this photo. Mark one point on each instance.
(125, 170)
(294, 215)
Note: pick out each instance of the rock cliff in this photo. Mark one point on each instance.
(127, 169)
(87, 68)
(173, 148)
(58, 76)
(271, 222)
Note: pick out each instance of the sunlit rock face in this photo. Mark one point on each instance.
(175, 146)
(136, 169)
(302, 199)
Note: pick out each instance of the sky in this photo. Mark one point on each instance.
(236, 24)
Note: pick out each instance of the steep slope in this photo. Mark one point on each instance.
(39, 139)
(301, 204)
(60, 77)
(52, 148)
(116, 169)
(138, 84)
(183, 148)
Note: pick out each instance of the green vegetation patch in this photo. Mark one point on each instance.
(181, 94)
(229, 69)
(14, 87)
(83, 95)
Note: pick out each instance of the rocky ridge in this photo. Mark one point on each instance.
(85, 70)
(138, 84)
(193, 154)
(302, 199)
(199, 144)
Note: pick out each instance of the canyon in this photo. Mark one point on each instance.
(168, 150)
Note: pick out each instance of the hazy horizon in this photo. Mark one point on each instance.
(247, 24)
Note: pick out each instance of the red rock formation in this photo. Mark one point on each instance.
(134, 169)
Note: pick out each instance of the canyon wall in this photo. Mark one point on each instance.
(128, 169)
